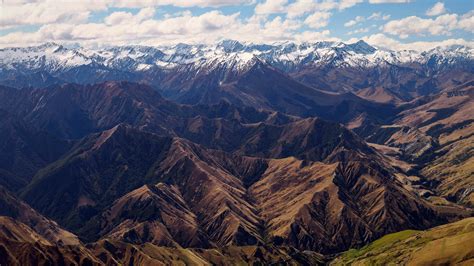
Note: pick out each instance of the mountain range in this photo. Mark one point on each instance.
(187, 72)
(230, 153)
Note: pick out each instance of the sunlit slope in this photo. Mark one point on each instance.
(450, 244)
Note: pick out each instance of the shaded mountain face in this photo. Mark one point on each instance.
(24, 150)
(78, 187)
(14, 208)
(74, 111)
(137, 187)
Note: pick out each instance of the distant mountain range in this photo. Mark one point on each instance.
(179, 70)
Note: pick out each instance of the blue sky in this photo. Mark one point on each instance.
(108, 22)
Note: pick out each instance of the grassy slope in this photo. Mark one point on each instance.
(454, 170)
(447, 244)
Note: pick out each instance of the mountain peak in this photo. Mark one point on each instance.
(48, 45)
(362, 47)
(125, 62)
(230, 46)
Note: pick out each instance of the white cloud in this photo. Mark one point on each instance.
(141, 29)
(40, 12)
(313, 36)
(466, 22)
(127, 17)
(378, 16)
(302, 7)
(318, 20)
(382, 41)
(413, 25)
(68, 21)
(436, 10)
(44, 12)
(388, 1)
(358, 31)
(178, 3)
(343, 4)
(271, 7)
(354, 21)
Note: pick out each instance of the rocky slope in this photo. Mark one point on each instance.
(142, 179)
(20, 245)
(435, 133)
(227, 199)
(11, 206)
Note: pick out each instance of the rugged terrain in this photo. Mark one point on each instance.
(234, 154)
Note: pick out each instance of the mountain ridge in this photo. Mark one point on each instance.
(314, 64)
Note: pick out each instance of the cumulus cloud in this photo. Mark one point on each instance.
(125, 28)
(271, 7)
(466, 22)
(296, 20)
(359, 19)
(302, 7)
(18, 13)
(413, 25)
(378, 16)
(358, 31)
(388, 1)
(318, 20)
(313, 36)
(127, 17)
(436, 10)
(348, 3)
(354, 21)
(441, 25)
(383, 41)
(40, 12)
(178, 3)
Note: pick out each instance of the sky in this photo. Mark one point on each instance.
(392, 24)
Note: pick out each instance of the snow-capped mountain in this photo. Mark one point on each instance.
(52, 57)
(192, 69)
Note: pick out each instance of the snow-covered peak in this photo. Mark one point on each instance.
(230, 54)
(49, 56)
(230, 46)
(361, 47)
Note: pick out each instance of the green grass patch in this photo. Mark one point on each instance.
(379, 245)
